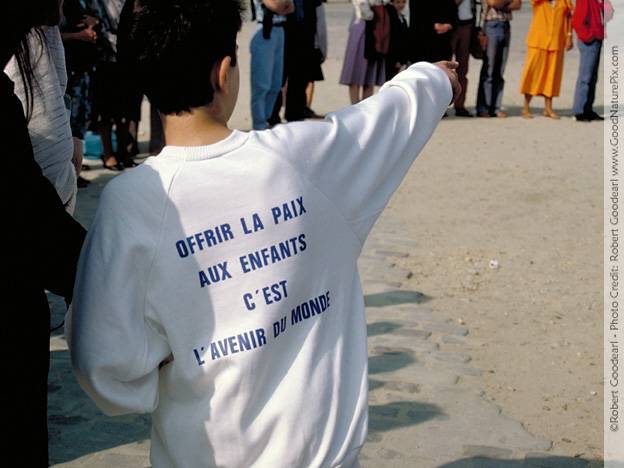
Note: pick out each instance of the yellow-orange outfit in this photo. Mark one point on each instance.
(543, 67)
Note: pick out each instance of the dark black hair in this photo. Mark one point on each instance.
(25, 62)
(21, 31)
(171, 47)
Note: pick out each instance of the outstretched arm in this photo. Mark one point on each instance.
(358, 156)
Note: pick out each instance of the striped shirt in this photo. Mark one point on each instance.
(49, 129)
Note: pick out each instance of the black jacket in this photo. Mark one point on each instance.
(399, 38)
(42, 243)
(426, 44)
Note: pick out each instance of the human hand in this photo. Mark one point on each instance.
(88, 21)
(450, 69)
(280, 7)
(86, 35)
(441, 28)
(569, 43)
(288, 9)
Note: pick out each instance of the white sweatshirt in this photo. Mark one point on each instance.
(235, 263)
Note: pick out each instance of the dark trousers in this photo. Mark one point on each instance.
(492, 81)
(585, 90)
(298, 51)
(460, 42)
(25, 383)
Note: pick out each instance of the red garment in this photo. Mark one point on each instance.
(589, 18)
(381, 29)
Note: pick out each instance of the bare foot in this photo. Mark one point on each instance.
(551, 115)
(110, 163)
(526, 115)
(501, 114)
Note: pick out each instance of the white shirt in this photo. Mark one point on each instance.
(49, 128)
(269, 349)
(363, 9)
(277, 19)
(464, 10)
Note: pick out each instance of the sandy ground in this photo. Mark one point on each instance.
(527, 194)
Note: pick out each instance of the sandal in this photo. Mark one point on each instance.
(115, 167)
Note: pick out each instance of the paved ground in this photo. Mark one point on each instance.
(426, 409)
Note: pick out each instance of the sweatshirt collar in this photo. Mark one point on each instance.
(197, 153)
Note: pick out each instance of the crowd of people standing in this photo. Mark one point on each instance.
(286, 55)
(459, 29)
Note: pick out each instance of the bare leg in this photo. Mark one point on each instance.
(526, 113)
(284, 93)
(133, 138)
(548, 110)
(367, 91)
(108, 158)
(354, 94)
(309, 94)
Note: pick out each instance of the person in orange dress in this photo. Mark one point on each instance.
(549, 35)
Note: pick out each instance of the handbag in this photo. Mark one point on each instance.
(377, 34)
(478, 38)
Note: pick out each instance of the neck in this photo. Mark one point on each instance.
(196, 128)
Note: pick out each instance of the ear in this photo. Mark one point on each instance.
(223, 74)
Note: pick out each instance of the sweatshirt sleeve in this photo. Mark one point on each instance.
(358, 156)
(115, 345)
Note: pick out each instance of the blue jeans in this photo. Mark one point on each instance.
(585, 91)
(491, 81)
(267, 68)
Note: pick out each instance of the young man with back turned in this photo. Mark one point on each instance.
(218, 288)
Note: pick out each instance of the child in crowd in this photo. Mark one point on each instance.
(218, 288)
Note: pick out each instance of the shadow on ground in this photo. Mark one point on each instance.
(537, 109)
(382, 328)
(531, 461)
(397, 297)
(397, 414)
(389, 362)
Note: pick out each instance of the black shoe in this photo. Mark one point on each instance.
(594, 116)
(273, 121)
(128, 163)
(582, 118)
(310, 114)
(82, 182)
(463, 112)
